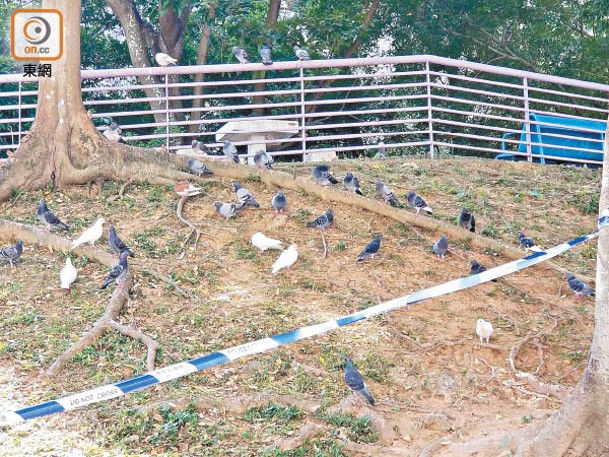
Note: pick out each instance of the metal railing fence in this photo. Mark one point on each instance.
(413, 104)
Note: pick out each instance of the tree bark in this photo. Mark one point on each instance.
(139, 40)
(202, 60)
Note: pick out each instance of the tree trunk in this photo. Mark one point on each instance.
(202, 60)
(271, 20)
(580, 427)
(135, 34)
(63, 147)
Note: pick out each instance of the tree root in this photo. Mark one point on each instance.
(32, 235)
(188, 223)
(323, 239)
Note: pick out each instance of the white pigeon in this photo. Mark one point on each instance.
(286, 259)
(68, 274)
(91, 235)
(484, 330)
(164, 60)
(263, 242)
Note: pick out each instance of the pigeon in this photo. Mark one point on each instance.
(355, 381)
(352, 183)
(48, 218)
(265, 53)
(164, 60)
(321, 174)
(186, 189)
(418, 203)
(286, 259)
(382, 152)
(484, 330)
(91, 235)
(12, 253)
(240, 54)
(244, 196)
(476, 268)
(440, 247)
(113, 133)
(116, 244)
(230, 151)
(198, 168)
(262, 160)
(371, 249)
(263, 242)
(227, 210)
(199, 148)
(322, 222)
(527, 243)
(118, 272)
(302, 54)
(467, 220)
(579, 287)
(383, 191)
(68, 274)
(279, 202)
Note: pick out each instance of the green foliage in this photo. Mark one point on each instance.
(280, 414)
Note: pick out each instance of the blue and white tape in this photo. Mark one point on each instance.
(182, 369)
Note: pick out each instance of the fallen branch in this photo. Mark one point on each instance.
(495, 347)
(121, 191)
(172, 283)
(188, 223)
(323, 239)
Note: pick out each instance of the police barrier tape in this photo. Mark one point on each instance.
(182, 369)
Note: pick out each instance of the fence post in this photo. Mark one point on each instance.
(167, 110)
(19, 116)
(429, 110)
(303, 114)
(527, 119)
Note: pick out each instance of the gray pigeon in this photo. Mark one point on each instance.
(383, 191)
(198, 168)
(302, 54)
(476, 268)
(230, 151)
(240, 54)
(118, 272)
(322, 222)
(227, 210)
(321, 174)
(113, 133)
(116, 244)
(265, 53)
(199, 148)
(440, 247)
(244, 196)
(527, 243)
(418, 203)
(48, 218)
(279, 202)
(579, 287)
(352, 183)
(371, 249)
(263, 160)
(356, 382)
(467, 220)
(12, 253)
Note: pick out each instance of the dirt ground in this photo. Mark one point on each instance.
(434, 382)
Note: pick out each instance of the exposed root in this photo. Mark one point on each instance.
(104, 323)
(151, 345)
(33, 235)
(188, 223)
(433, 346)
(123, 188)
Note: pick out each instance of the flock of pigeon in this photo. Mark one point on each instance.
(68, 273)
(321, 175)
(164, 60)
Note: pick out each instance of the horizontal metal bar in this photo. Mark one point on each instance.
(365, 135)
(565, 105)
